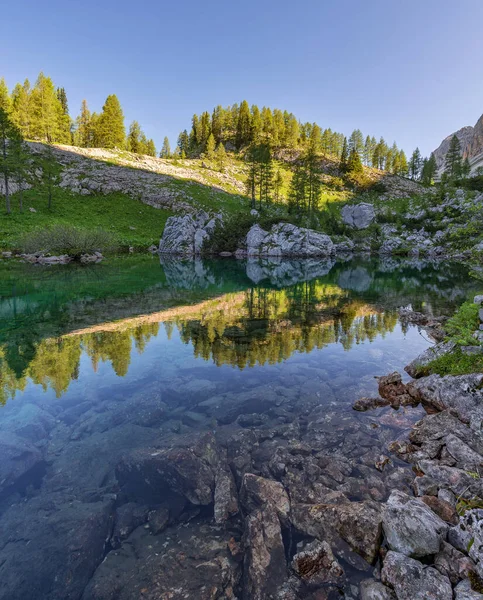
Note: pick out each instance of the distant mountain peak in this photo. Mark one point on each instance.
(471, 140)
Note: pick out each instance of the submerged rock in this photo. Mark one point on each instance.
(316, 564)
(257, 492)
(358, 523)
(265, 569)
(18, 457)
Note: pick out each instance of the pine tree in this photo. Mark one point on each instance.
(134, 138)
(356, 142)
(183, 143)
(22, 164)
(220, 157)
(277, 186)
(21, 108)
(151, 148)
(354, 164)
(256, 124)
(415, 165)
(465, 168)
(47, 116)
(65, 124)
(243, 128)
(110, 130)
(5, 100)
(453, 159)
(83, 134)
(51, 172)
(429, 170)
(166, 149)
(210, 147)
(344, 157)
(8, 131)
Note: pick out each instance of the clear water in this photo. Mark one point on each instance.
(96, 361)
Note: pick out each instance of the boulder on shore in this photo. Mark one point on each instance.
(285, 239)
(187, 235)
(358, 216)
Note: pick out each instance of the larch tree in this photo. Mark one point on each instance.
(21, 108)
(243, 128)
(415, 165)
(210, 147)
(150, 148)
(220, 157)
(453, 159)
(166, 149)
(7, 165)
(5, 100)
(110, 126)
(83, 133)
(48, 119)
(134, 138)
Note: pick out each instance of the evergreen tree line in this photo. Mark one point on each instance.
(425, 169)
(240, 125)
(41, 112)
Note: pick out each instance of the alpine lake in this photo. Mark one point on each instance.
(218, 368)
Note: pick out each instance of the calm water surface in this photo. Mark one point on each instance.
(133, 354)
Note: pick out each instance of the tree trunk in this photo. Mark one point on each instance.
(7, 195)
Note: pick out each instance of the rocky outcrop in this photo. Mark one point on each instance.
(411, 527)
(187, 235)
(358, 216)
(288, 240)
(411, 580)
(471, 140)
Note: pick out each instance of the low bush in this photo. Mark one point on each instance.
(66, 239)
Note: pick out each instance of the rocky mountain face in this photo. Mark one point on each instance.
(471, 139)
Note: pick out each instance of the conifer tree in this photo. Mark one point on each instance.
(217, 124)
(110, 130)
(7, 162)
(134, 138)
(453, 159)
(354, 164)
(465, 168)
(83, 134)
(220, 157)
(243, 128)
(166, 149)
(21, 109)
(415, 165)
(22, 164)
(429, 169)
(344, 156)
(403, 164)
(5, 100)
(51, 172)
(256, 124)
(183, 143)
(46, 111)
(356, 142)
(210, 147)
(150, 148)
(277, 186)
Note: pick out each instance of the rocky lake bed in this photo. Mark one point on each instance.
(231, 440)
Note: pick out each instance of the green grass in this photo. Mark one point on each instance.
(459, 329)
(115, 213)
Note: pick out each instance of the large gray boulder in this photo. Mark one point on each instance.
(358, 216)
(285, 239)
(187, 235)
(411, 527)
(411, 580)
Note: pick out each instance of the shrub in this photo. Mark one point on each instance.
(66, 239)
(462, 325)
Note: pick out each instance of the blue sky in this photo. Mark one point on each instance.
(411, 71)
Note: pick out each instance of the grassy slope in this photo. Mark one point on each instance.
(116, 213)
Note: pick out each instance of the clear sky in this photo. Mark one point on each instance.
(409, 70)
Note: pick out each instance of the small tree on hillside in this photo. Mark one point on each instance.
(220, 157)
(50, 172)
(465, 168)
(166, 149)
(354, 164)
(429, 170)
(210, 147)
(151, 148)
(8, 132)
(344, 156)
(415, 165)
(453, 161)
(22, 165)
